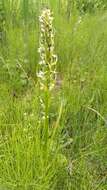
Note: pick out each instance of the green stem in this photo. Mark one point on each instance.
(46, 116)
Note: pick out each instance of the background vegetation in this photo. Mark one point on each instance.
(76, 157)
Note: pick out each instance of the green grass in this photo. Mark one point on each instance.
(76, 156)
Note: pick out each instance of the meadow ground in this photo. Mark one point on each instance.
(75, 155)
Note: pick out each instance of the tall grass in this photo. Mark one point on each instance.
(75, 155)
